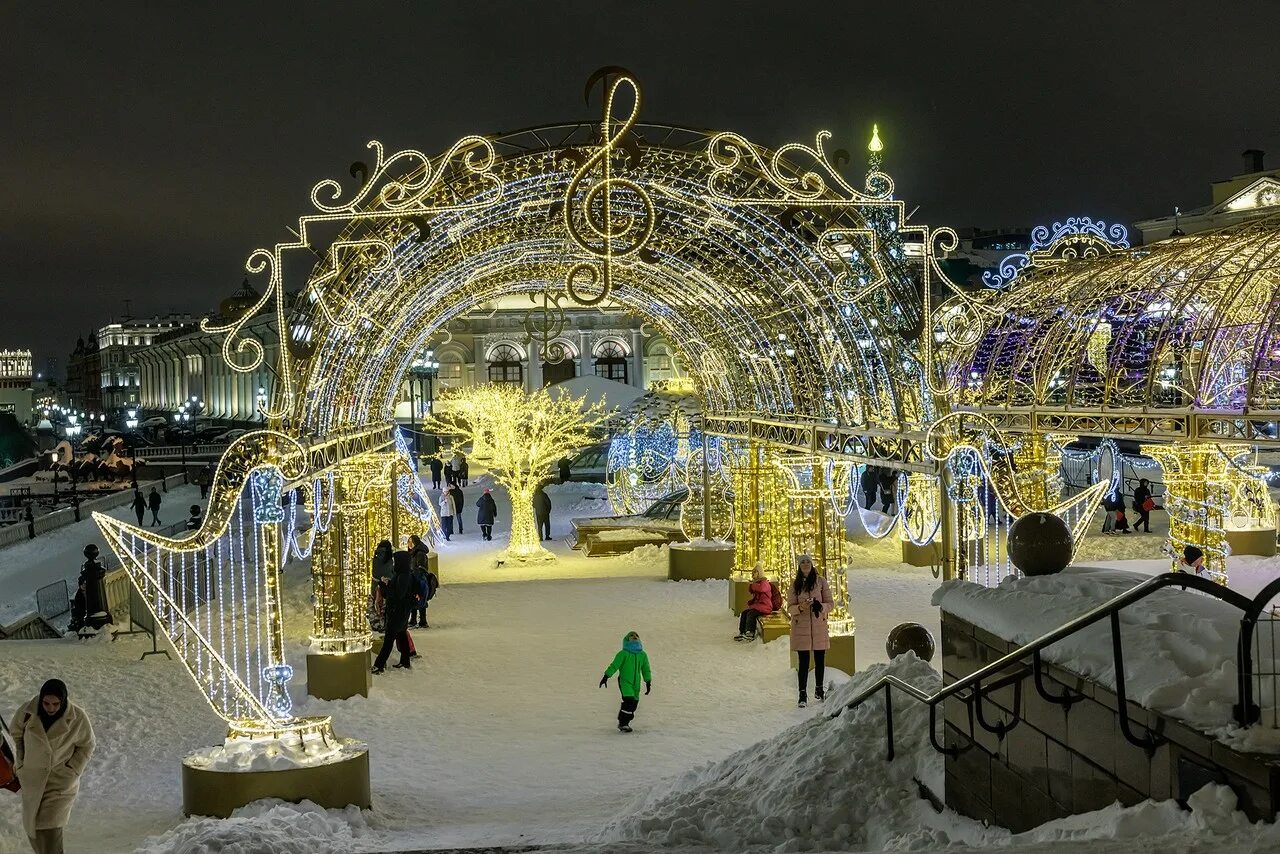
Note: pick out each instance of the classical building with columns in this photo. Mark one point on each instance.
(187, 363)
(490, 344)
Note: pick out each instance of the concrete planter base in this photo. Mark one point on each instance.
(219, 793)
(689, 564)
(337, 677)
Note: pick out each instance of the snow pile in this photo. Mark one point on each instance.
(269, 825)
(650, 556)
(572, 500)
(823, 781)
(273, 754)
(710, 545)
(1180, 647)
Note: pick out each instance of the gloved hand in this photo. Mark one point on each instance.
(817, 608)
(604, 680)
(647, 686)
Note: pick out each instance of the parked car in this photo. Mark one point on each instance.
(588, 465)
(155, 421)
(229, 435)
(661, 517)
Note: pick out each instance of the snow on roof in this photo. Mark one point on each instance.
(593, 388)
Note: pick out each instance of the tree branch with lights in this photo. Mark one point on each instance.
(525, 434)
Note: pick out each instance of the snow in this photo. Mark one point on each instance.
(272, 755)
(593, 389)
(499, 735)
(705, 544)
(627, 535)
(1180, 647)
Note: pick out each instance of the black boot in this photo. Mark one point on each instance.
(804, 700)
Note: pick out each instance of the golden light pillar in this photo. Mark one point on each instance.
(1036, 463)
(341, 573)
(760, 520)
(1198, 493)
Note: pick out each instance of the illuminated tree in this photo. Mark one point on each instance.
(527, 433)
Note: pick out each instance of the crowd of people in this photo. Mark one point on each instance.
(881, 480)
(403, 586)
(1115, 518)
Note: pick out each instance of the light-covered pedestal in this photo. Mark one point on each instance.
(329, 771)
(773, 627)
(338, 676)
(839, 657)
(739, 594)
(1252, 541)
(700, 560)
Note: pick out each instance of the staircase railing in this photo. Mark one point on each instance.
(971, 689)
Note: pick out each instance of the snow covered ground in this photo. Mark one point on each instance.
(499, 735)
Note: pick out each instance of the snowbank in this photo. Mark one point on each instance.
(571, 500)
(1180, 647)
(269, 825)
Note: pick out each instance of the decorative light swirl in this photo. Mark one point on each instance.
(402, 194)
(731, 154)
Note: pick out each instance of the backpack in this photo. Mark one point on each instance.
(775, 597)
(433, 584)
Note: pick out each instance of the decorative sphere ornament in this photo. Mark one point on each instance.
(1040, 544)
(910, 637)
(91, 551)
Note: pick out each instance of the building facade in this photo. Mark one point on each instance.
(84, 371)
(1251, 194)
(16, 384)
(119, 346)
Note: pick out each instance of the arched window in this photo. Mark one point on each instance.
(611, 361)
(504, 365)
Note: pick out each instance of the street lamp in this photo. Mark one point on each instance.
(262, 402)
(420, 369)
(182, 417)
(131, 424)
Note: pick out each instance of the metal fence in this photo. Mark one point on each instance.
(1266, 679)
(52, 600)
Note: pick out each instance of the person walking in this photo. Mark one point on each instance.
(566, 469)
(153, 501)
(455, 468)
(888, 488)
(437, 466)
(761, 605)
(458, 503)
(464, 471)
(809, 603)
(54, 742)
(398, 594)
(542, 513)
(632, 665)
(194, 519)
(205, 479)
(447, 511)
(1109, 513)
(140, 506)
(421, 589)
(1144, 504)
(486, 514)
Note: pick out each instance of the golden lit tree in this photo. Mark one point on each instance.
(526, 434)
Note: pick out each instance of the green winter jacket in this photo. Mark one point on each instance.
(632, 669)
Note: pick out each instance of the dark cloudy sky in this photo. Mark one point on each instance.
(147, 148)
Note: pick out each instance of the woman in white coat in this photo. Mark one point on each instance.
(54, 741)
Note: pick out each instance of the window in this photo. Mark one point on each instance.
(662, 364)
(504, 365)
(450, 370)
(611, 361)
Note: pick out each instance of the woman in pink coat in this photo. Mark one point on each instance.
(809, 603)
(761, 605)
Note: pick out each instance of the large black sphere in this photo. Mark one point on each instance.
(1040, 544)
(910, 637)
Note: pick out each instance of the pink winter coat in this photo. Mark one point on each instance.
(761, 596)
(807, 631)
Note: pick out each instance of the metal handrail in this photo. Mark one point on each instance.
(971, 691)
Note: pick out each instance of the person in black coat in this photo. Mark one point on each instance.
(398, 592)
(566, 469)
(436, 468)
(486, 514)
(870, 482)
(1141, 495)
(888, 488)
(139, 506)
(456, 492)
(153, 501)
(542, 513)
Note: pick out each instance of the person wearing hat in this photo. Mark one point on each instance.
(632, 666)
(54, 741)
(487, 514)
(194, 519)
(809, 603)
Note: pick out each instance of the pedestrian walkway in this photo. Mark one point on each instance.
(30, 564)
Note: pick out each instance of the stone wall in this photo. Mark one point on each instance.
(1057, 762)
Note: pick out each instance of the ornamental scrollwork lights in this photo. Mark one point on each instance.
(1078, 237)
(400, 191)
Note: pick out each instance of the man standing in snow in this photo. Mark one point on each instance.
(140, 506)
(458, 504)
(632, 665)
(447, 511)
(436, 468)
(542, 513)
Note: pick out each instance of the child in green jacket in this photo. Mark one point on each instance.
(632, 665)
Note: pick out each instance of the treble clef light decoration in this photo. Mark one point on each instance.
(618, 213)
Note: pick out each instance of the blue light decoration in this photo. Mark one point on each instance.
(266, 485)
(1077, 237)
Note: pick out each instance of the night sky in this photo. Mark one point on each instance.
(147, 149)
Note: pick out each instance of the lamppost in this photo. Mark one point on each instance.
(420, 369)
(262, 402)
(181, 417)
(131, 424)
